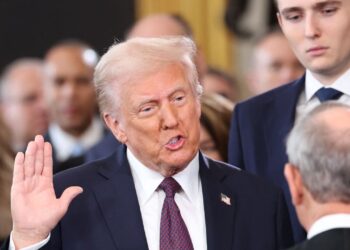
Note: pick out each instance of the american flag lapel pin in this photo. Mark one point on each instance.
(225, 199)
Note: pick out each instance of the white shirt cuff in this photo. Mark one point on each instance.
(35, 246)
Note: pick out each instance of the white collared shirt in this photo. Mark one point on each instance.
(307, 100)
(189, 200)
(329, 222)
(64, 142)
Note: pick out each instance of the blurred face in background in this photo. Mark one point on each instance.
(23, 108)
(273, 64)
(70, 91)
(208, 146)
(215, 84)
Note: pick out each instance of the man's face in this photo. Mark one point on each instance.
(274, 64)
(208, 146)
(216, 84)
(70, 91)
(318, 31)
(24, 108)
(159, 120)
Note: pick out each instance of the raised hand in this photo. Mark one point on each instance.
(34, 206)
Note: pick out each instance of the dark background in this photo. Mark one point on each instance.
(29, 27)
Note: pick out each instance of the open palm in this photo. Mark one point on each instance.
(35, 208)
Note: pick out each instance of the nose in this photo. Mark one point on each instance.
(311, 29)
(69, 89)
(169, 116)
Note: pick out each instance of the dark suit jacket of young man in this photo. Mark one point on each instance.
(107, 214)
(335, 239)
(259, 127)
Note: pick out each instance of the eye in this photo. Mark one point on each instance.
(59, 81)
(293, 17)
(146, 109)
(179, 99)
(327, 11)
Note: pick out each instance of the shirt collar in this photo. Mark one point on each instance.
(329, 222)
(147, 180)
(312, 84)
(64, 142)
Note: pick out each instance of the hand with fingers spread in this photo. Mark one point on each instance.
(35, 208)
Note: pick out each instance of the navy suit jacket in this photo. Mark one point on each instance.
(107, 214)
(259, 127)
(108, 145)
(335, 239)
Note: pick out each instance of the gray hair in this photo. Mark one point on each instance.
(322, 154)
(136, 58)
(22, 63)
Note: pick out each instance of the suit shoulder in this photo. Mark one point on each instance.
(83, 175)
(269, 95)
(242, 180)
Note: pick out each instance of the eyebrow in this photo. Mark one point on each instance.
(151, 99)
(318, 5)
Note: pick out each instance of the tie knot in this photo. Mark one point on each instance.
(170, 186)
(327, 94)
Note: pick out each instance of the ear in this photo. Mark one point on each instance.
(295, 183)
(115, 127)
(279, 18)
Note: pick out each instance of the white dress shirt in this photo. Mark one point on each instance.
(329, 222)
(151, 198)
(307, 100)
(64, 143)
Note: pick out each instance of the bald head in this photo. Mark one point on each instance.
(160, 25)
(70, 91)
(318, 146)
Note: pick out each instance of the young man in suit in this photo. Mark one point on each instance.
(318, 32)
(318, 176)
(149, 96)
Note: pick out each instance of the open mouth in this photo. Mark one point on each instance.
(175, 143)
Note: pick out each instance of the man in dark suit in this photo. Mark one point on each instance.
(149, 96)
(75, 126)
(318, 34)
(318, 176)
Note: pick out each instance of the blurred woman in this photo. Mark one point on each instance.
(6, 167)
(215, 126)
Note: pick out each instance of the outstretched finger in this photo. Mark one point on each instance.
(47, 170)
(39, 155)
(29, 159)
(18, 168)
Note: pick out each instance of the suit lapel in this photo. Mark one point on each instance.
(280, 116)
(219, 216)
(119, 205)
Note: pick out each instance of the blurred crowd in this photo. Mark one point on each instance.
(55, 96)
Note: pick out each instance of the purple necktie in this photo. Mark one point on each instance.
(173, 231)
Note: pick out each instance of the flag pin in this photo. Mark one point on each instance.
(225, 199)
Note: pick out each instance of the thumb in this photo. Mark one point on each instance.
(68, 195)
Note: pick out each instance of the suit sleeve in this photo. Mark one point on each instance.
(235, 153)
(284, 228)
